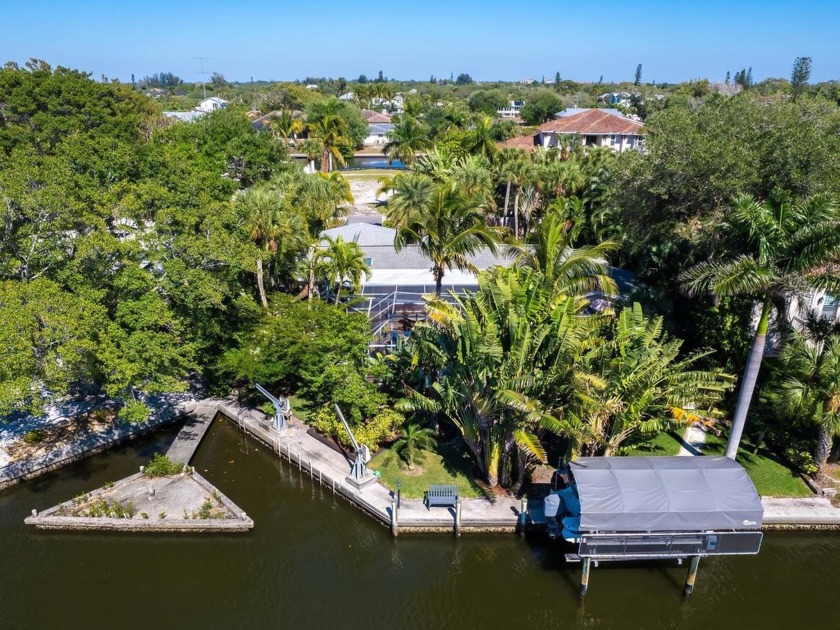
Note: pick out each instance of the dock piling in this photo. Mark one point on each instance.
(458, 517)
(394, 523)
(584, 576)
(523, 515)
(692, 575)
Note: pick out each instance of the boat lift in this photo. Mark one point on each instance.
(359, 473)
(282, 407)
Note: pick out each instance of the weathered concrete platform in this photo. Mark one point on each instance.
(179, 503)
(195, 428)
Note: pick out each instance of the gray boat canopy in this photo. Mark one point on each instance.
(646, 494)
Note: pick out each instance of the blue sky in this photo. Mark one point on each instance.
(508, 40)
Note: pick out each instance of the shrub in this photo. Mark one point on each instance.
(382, 427)
(35, 436)
(134, 412)
(162, 466)
(802, 460)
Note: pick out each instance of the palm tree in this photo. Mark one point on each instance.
(450, 228)
(414, 438)
(273, 227)
(312, 148)
(412, 192)
(503, 348)
(777, 254)
(331, 130)
(812, 386)
(286, 125)
(635, 385)
(508, 164)
(479, 140)
(565, 269)
(407, 138)
(342, 261)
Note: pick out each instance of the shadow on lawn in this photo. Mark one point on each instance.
(458, 461)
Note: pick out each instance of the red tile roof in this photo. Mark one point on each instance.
(595, 121)
(524, 143)
(378, 119)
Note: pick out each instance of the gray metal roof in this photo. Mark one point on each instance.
(641, 494)
(377, 242)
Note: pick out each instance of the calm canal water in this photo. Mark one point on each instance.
(316, 562)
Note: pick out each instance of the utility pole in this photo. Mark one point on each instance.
(202, 73)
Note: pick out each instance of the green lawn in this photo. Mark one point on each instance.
(771, 477)
(663, 444)
(300, 407)
(369, 174)
(450, 464)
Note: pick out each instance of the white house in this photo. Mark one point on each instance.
(512, 110)
(594, 127)
(378, 134)
(212, 104)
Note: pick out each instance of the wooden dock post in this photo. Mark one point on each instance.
(458, 517)
(584, 576)
(394, 523)
(692, 575)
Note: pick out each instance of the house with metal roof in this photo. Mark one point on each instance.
(378, 134)
(408, 271)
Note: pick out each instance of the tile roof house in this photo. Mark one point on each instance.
(594, 127)
(376, 118)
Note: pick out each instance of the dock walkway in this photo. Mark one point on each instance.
(331, 469)
(195, 427)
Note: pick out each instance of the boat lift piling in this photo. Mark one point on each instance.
(692, 575)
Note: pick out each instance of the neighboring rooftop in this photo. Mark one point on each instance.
(593, 122)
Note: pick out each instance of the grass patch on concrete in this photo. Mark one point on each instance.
(664, 444)
(449, 464)
(771, 477)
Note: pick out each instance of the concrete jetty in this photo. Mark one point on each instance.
(185, 502)
(195, 428)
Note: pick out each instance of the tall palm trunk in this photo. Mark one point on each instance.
(261, 283)
(516, 215)
(507, 199)
(338, 292)
(437, 272)
(748, 384)
(311, 288)
(826, 437)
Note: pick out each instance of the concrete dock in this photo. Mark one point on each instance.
(330, 468)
